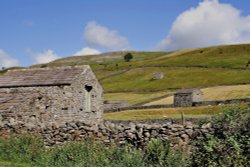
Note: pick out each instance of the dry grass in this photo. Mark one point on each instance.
(163, 113)
(135, 98)
(167, 100)
(226, 92)
(189, 112)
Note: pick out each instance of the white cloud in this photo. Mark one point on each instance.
(44, 57)
(210, 23)
(6, 60)
(87, 51)
(101, 36)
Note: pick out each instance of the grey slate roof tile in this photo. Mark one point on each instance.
(39, 77)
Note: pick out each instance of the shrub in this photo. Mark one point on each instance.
(159, 153)
(128, 57)
(230, 144)
(25, 148)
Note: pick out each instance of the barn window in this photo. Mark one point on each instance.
(88, 89)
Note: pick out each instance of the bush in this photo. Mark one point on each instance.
(158, 153)
(25, 148)
(128, 57)
(230, 144)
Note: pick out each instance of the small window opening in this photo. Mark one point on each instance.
(87, 104)
(88, 88)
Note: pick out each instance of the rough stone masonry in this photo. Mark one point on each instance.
(44, 96)
(134, 133)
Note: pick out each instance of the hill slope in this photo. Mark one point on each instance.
(234, 56)
(203, 67)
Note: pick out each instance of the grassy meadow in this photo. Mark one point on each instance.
(141, 79)
(216, 56)
(166, 113)
(134, 98)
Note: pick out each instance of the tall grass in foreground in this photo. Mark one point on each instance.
(26, 150)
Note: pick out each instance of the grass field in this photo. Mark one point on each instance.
(141, 79)
(189, 112)
(166, 100)
(135, 98)
(236, 56)
(102, 74)
(226, 92)
(220, 56)
(214, 93)
(98, 61)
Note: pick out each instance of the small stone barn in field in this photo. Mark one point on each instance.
(45, 96)
(187, 97)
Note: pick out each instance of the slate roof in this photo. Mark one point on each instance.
(187, 91)
(40, 77)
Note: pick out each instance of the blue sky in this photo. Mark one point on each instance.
(38, 31)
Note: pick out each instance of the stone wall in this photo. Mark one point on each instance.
(114, 105)
(222, 102)
(203, 103)
(137, 134)
(137, 108)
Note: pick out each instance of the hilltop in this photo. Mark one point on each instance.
(234, 56)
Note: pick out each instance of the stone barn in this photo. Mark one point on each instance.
(45, 96)
(187, 97)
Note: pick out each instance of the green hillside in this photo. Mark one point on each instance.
(234, 56)
(203, 67)
(141, 79)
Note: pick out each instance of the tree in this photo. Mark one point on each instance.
(248, 63)
(128, 57)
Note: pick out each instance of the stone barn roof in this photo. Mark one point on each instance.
(40, 77)
(187, 91)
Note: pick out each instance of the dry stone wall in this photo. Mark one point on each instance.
(203, 103)
(114, 105)
(136, 134)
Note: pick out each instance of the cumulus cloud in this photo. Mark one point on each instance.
(101, 36)
(6, 60)
(210, 23)
(87, 51)
(44, 57)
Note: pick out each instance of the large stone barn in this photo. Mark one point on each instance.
(187, 97)
(44, 96)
